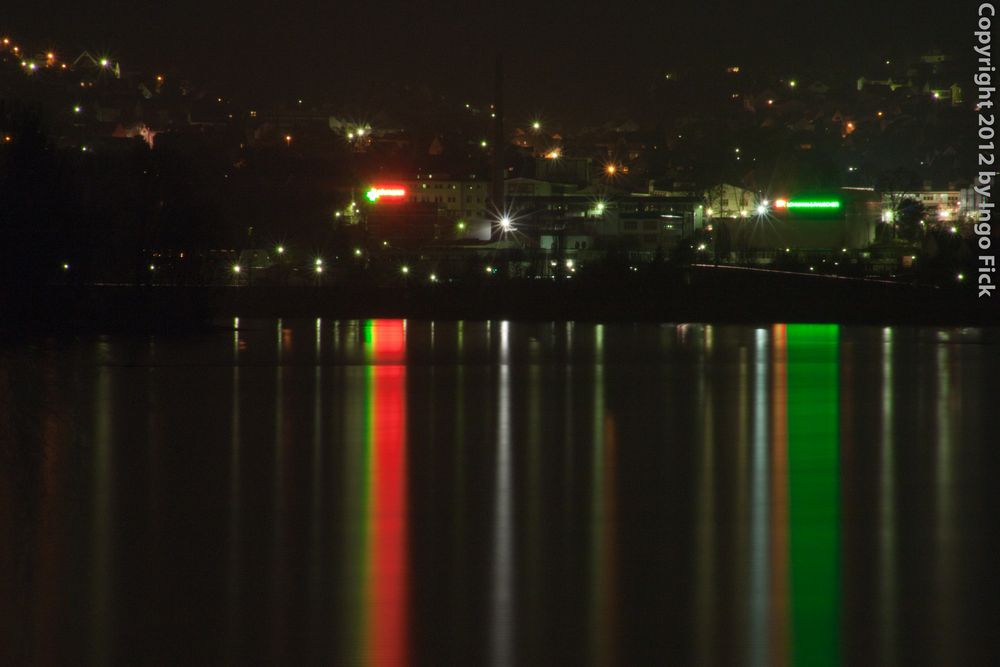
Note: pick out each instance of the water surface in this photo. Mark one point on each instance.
(411, 492)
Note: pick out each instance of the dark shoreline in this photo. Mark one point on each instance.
(691, 295)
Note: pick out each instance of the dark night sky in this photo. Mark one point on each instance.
(560, 55)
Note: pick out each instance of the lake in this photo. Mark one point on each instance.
(491, 492)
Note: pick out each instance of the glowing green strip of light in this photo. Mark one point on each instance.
(372, 195)
(814, 493)
(814, 204)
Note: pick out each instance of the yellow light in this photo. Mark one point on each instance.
(554, 154)
(434, 278)
(50, 56)
(792, 83)
(405, 269)
(236, 268)
(357, 252)
(536, 125)
(318, 262)
(159, 78)
(280, 249)
(489, 269)
(611, 169)
(319, 269)
(104, 62)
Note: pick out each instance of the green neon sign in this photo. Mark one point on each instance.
(814, 204)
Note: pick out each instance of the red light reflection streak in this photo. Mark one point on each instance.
(386, 588)
(779, 640)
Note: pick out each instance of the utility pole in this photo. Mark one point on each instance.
(496, 191)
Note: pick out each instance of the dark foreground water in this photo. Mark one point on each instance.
(472, 493)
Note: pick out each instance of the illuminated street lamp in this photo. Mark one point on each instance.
(405, 269)
(505, 223)
(761, 209)
(105, 62)
(288, 140)
(610, 169)
(280, 250)
(536, 126)
(357, 252)
(236, 268)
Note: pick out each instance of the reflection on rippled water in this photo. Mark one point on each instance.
(394, 492)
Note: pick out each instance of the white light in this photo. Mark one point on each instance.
(318, 262)
(761, 209)
(569, 264)
(505, 223)
(434, 278)
(236, 268)
(405, 269)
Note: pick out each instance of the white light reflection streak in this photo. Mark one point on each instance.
(102, 565)
(316, 526)
(949, 650)
(705, 526)
(503, 537)
(887, 513)
(759, 542)
(233, 569)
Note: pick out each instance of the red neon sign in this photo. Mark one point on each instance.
(393, 192)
